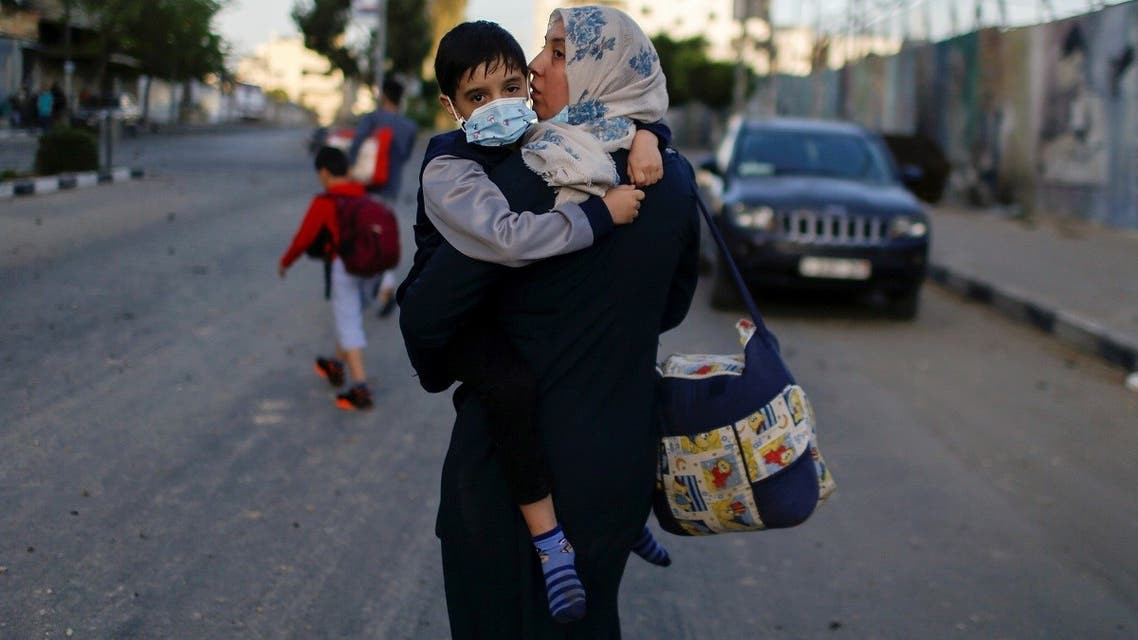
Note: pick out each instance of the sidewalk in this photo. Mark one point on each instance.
(1076, 281)
(18, 147)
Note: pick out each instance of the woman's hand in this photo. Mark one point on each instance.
(623, 202)
(645, 164)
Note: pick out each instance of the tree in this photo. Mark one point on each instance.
(115, 19)
(324, 24)
(691, 75)
(414, 43)
(277, 95)
(172, 39)
(713, 83)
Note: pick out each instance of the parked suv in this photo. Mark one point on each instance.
(809, 204)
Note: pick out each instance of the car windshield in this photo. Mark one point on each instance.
(801, 153)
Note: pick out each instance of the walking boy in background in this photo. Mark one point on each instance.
(318, 235)
(403, 132)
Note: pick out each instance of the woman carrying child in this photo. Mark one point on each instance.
(586, 323)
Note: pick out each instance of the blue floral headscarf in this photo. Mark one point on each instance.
(614, 78)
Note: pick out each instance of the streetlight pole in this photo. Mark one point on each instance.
(380, 43)
(740, 94)
(772, 61)
(745, 10)
(68, 64)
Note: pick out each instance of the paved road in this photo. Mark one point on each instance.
(171, 468)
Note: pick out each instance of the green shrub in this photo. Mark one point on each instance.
(12, 174)
(63, 150)
(423, 109)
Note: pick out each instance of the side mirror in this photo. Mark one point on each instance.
(912, 174)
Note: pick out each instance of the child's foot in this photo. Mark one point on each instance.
(648, 548)
(566, 594)
(331, 370)
(357, 398)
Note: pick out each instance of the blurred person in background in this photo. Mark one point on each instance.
(16, 104)
(6, 108)
(403, 132)
(58, 104)
(45, 107)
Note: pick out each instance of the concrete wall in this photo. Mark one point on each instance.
(209, 105)
(11, 66)
(1043, 116)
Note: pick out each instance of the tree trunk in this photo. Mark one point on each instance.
(349, 90)
(173, 102)
(146, 99)
(173, 98)
(187, 101)
(103, 79)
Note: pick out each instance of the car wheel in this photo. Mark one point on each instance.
(905, 306)
(724, 292)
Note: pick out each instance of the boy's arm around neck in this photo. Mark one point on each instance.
(471, 212)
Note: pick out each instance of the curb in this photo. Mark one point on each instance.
(1080, 333)
(15, 136)
(67, 181)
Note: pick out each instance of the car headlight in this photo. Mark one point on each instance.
(748, 217)
(907, 227)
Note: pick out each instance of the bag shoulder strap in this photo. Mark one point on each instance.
(347, 206)
(744, 292)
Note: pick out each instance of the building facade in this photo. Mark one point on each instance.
(794, 47)
(285, 64)
(35, 52)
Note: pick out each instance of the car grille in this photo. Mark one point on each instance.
(813, 227)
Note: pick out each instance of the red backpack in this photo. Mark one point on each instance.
(373, 160)
(369, 235)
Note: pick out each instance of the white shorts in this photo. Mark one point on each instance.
(350, 296)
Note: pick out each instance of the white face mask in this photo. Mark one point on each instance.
(497, 123)
(454, 114)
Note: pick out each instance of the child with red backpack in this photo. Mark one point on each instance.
(358, 239)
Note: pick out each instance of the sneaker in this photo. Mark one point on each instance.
(331, 370)
(357, 398)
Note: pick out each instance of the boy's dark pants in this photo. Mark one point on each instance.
(483, 358)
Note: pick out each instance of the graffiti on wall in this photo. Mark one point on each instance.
(1087, 133)
(1073, 127)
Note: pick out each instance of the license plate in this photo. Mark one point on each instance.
(836, 268)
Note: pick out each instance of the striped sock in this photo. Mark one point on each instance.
(566, 594)
(648, 548)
